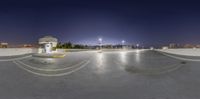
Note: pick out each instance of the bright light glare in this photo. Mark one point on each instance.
(100, 65)
(138, 51)
(123, 41)
(100, 39)
(138, 55)
(100, 59)
(123, 56)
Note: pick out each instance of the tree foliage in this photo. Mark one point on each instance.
(69, 45)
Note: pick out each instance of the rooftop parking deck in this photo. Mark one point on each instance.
(136, 74)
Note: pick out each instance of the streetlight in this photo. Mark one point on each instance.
(123, 42)
(137, 45)
(100, 42)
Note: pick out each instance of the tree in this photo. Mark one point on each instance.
(59, 45)
(78, 46)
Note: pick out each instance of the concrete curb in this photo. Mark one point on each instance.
(181, 57)
(49, 55)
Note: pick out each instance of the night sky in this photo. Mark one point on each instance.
(145, 22)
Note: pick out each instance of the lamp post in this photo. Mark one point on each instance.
(137, 45)
(100, 43)
(123, 42)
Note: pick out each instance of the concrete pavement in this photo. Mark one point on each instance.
(106, 75)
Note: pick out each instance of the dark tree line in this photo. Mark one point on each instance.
(69, 45)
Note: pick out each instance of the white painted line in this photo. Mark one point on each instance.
(180, 58)
(171, 70)
(13, 59)
(165, 69)
(51, 75)
(61, 69)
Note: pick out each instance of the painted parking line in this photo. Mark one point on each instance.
(51, 75)
(165, 69)
(180, 58)
(13, 59)
(60, 69)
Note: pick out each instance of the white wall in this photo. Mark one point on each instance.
(16, 51)
(186, 52)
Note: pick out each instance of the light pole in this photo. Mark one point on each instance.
(100, 43)
(123, 42)
(137, 45)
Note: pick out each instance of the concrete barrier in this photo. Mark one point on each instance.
(185, 52)
(106, 50)
(71, 50)
(16, 51)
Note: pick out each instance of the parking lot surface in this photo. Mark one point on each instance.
(137, 74)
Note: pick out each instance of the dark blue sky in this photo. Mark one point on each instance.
(145, 22)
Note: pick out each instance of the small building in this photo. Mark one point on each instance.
(151, 48)
(27, 46)
(198, 46)
(165, 47)
(189, 46)
(172, 45)
(3, 45)
(47, 44)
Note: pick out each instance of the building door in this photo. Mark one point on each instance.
(48, 48)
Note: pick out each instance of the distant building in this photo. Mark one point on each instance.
(197, 46)
(189, 46)
(151, 48)
(109, 46)
(3, 45)
(27, 46)
(165, 47)
(174, 45)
